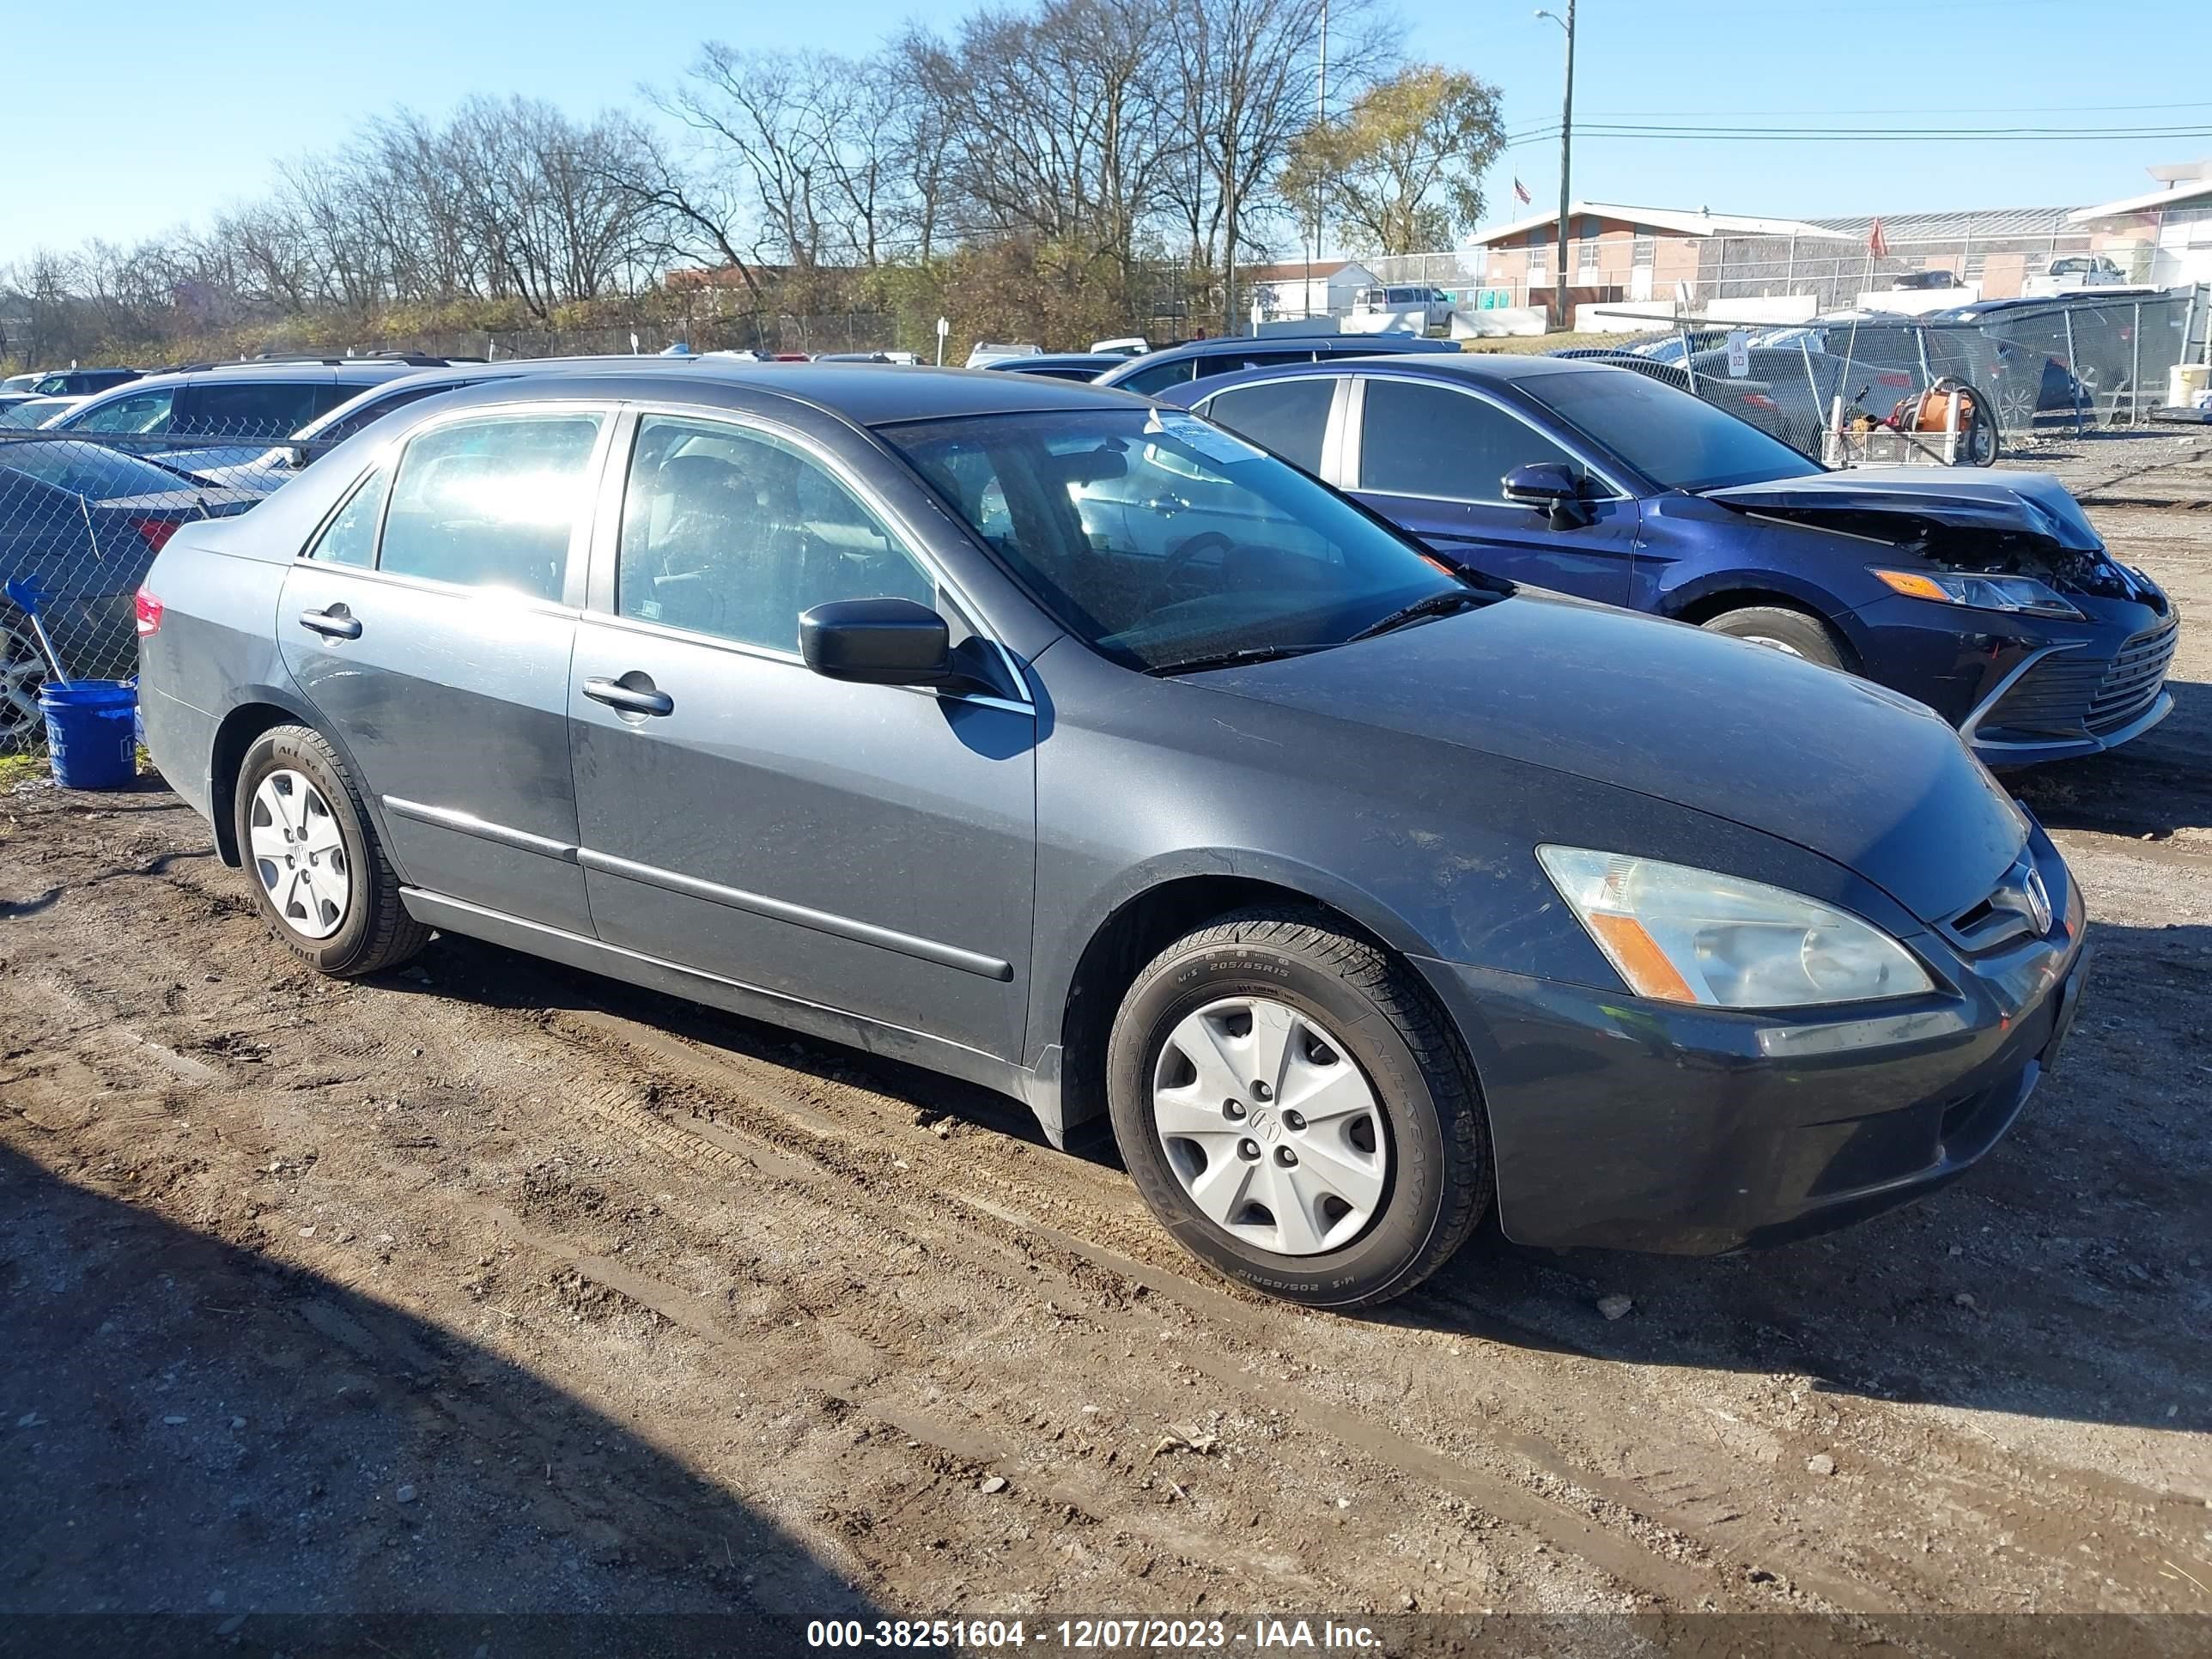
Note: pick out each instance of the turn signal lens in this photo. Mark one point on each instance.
(1678, 934)
(1913, 584)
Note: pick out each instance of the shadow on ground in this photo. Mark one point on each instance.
(191, 1428)
(2080, 1243)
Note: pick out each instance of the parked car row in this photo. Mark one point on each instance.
(1257, 782)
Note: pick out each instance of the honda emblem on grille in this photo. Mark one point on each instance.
(2039, 901)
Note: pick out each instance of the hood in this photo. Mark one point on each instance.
(1901, 503)
(1871, 780)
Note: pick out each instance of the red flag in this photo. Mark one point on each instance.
(1520, 193)
(1877, 243)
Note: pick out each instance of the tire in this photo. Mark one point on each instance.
(1782, 629)
(1983, 443)
(22, 672)
(370, 930)
(1357, 1020)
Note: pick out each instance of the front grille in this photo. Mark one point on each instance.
(2068, 693)
(2006, 915)
(2131, 685)
(2053, 696)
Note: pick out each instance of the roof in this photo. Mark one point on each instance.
(1497, 366)
(2196, 193)
(867, 394)
(1682, 222)
(1296, 270)
(1954, 226)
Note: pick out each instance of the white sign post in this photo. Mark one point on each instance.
(943, 328)
(1739, 349)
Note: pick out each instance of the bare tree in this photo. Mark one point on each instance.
(1246, 84)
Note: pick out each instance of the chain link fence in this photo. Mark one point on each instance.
(80, 520)
(2057, 364)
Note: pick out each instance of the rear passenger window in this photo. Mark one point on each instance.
(247, 409)
(734, 532)
(350, 537)
(1290, 417)
(492, 502)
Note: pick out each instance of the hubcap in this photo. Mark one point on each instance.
(22, 672)
(1271, 1126)
(298, 855)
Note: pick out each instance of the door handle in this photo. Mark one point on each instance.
(337, 623)
(616, 695)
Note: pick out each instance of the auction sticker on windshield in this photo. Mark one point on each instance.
(1210, 441)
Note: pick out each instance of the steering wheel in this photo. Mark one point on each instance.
(1186, 551)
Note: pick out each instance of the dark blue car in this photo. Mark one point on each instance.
(1984, 594)
(79, 524)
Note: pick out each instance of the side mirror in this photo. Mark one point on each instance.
(876, 642)
(1552, 488)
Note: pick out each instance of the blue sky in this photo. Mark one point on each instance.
(208, 97)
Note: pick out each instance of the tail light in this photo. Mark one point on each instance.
(149, 613)
(156, 531)
(1760, 400)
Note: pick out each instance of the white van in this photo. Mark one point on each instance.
(1400, 308)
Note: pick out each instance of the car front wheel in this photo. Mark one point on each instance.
(318, 871)
(1789, 631)
(1294, 1109)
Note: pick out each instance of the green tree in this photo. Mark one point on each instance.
(1400, 171)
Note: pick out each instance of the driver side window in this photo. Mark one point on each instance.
(1420, 437)
(732, 532)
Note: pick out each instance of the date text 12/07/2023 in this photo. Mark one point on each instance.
(1096, 1635)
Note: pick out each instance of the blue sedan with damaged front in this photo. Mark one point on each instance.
(1985, 594)
(1048, 738)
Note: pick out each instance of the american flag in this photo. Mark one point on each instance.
(1877, 243)
(1520, 193)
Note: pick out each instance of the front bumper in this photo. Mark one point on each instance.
(2023, 691)
(1630, 1124)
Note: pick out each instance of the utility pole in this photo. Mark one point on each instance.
(1321, 119)
(1566, 156)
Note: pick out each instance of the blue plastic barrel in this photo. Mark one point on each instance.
(90, 735)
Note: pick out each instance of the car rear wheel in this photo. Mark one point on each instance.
(1294, 1107)
(22, 672)
(319, 872)
(1782, 629)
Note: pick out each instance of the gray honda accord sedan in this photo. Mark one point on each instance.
(1044, 736)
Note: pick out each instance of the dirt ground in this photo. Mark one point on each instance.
(488, 1285)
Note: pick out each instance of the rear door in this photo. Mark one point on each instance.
(1431, 457)
(430, 623)
(867, 848)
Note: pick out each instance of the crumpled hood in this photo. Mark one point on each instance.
(1843, 767)
(1902, 501)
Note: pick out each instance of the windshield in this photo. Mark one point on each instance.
(35, 411)
(1163, 541)
(1674, 440)
(88, 470)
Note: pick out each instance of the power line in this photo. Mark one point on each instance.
(1907, 109)
(1865, 135)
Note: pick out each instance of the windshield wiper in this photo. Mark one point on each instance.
(1436, 604)
(1233, 659)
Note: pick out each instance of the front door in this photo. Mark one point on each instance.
(1430, 458)
(438, 653)
(866, 848)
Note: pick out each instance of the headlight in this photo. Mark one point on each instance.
(1684, 935)
(2021, 594)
